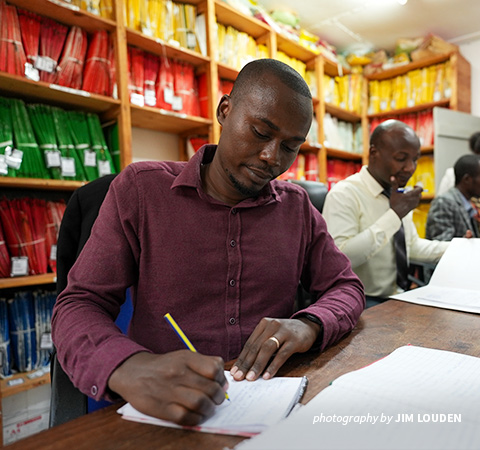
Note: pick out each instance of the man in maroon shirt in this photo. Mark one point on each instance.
(219, 244)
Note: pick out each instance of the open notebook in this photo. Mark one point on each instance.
(414, 398)
(253, 406)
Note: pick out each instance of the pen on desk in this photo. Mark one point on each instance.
(183, 337)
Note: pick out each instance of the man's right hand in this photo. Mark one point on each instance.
(404, 202)
(181, 386)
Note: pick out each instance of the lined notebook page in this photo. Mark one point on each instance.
(253, 406)
(415, 398)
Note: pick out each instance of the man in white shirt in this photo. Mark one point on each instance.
(365, 211)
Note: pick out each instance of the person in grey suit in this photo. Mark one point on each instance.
(452, 213)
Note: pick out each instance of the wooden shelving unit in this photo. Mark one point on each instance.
(128, 116)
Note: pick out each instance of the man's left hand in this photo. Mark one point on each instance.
(272, 342)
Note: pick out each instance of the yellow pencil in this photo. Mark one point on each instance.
(184, 338)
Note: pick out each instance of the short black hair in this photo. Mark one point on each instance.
(474, 142)
(466, 165)
(255, 70)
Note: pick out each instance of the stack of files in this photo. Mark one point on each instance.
(414, 398)
(5, 355)
(21, 312)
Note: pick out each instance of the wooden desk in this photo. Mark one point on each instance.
(381, 330)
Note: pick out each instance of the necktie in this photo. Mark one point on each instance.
(400, 254)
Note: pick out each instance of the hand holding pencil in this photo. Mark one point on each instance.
(182, 386)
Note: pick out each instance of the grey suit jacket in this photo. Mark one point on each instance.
(448, 217)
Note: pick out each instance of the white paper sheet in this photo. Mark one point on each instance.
(415, 398)
(455, 283)
(253, 406)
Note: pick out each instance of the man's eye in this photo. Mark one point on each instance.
(260, 135)
(288, 149)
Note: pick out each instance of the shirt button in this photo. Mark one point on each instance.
(233, 243)
(234, 211)
(232, 283)
(94, 390)
(232, 321)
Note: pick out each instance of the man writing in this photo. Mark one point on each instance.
(221, 245)
(365, 211)
(452, 214)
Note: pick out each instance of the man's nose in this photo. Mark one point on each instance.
(271, 153)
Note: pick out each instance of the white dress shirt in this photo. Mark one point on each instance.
(362, 224)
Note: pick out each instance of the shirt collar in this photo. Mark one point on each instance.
(190, 176)
(467, 205)
(371, 183)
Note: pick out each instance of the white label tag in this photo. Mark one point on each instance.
(191, 40)
(168, 95)
(19, 266)
(15, 382)
(45, 63)
(177, 104)
(89, 158)
(14, 158)
(104, 168)
(31, 72)
(53, 252)
(150, 97)
(53, 158)
(3, 165)
(46, 341)
(68, 167)
(137, 99)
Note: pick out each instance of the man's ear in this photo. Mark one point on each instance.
(223, 108)
(372, 152)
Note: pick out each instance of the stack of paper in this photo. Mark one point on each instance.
(415, 398)
(454, 283)
(253, 407)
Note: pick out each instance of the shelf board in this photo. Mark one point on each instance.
(334, 69)
(294, 49)
(32, 280)
(228, 16)
(167, 121)
(162, 48)
(342, 154)
(66, 14)
(427, 150)
(427, 197)
(6, 389)
(39, 183)
(227, 72)
(310, 148)
(343, 114)
(403, 69)
(413, 109)
(13, 85)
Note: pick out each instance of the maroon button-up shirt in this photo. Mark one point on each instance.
(216, 269)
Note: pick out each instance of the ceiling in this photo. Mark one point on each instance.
(379, 23)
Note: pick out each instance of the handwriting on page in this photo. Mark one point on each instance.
(253, 403)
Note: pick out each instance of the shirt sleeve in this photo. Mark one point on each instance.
(422, 250)
(329, 278)
(89, 344)
(342, 213)
(441, 220)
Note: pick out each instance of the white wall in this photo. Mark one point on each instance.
(471, 51)
(153, 145)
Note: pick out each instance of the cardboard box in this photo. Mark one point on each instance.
(25, 413)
